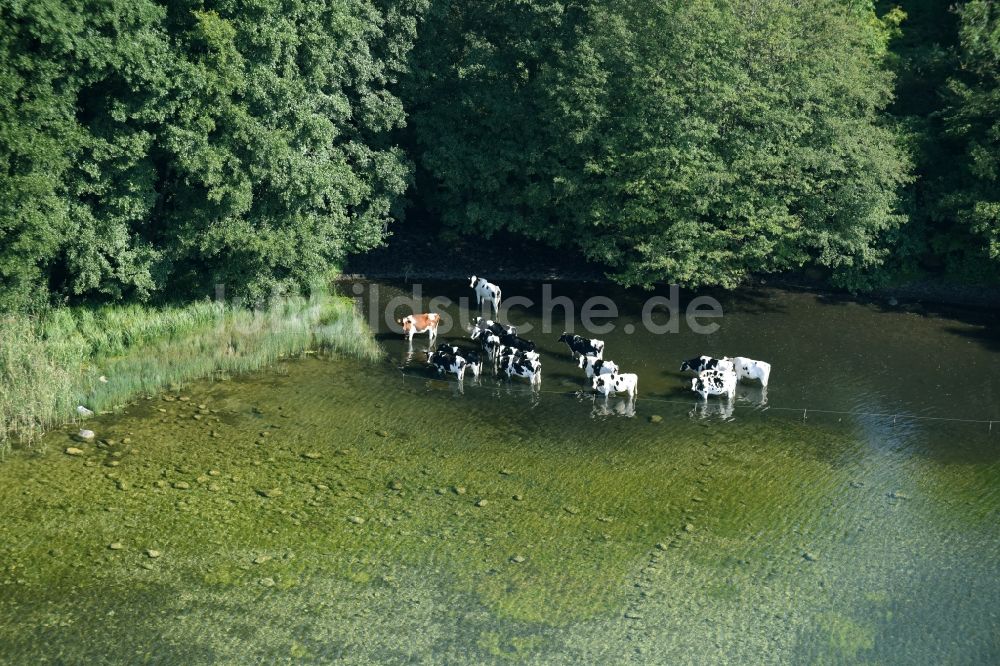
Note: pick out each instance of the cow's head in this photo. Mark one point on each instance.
(599, 382)
(407, 323)
(582, 362)
(686, 365)
(565, 337)
(472, 281)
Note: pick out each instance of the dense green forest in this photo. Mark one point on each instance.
(150, 149)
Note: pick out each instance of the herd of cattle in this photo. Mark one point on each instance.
(510, 355)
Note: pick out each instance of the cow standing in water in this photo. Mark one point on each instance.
(747, 368)
(579, 346)
(625, 382)
(421, 323)
(486, 291)
(715, 382)
(702, 363)
(597, 366)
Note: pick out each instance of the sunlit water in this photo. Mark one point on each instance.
(817, 522)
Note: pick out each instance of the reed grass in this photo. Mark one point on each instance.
(51, 363)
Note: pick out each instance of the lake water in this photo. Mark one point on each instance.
(334, 511)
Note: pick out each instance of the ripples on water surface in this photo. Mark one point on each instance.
(707, 537)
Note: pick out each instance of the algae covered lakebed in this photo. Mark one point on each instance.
(335, 511)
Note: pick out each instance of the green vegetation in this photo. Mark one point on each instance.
(947, 62)
(102, 358)
(697, 142)
(147, 144)
(257, 144)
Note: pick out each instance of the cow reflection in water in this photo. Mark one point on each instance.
(409, 353)
(751, 394)
(613, 407)
(724, 409)
(721, 409)
(504, 390)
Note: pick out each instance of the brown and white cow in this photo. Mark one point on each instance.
(421, 323)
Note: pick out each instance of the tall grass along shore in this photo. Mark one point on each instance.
(104, 357)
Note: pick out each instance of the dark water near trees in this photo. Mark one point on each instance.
(857, 533)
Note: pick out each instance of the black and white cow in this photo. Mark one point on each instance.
(482, 326)
(519, 366)
(714, 382)
(486, 291)
(444, 363)
(472, 359)
(490, 345)
(579, 346)
(508, 354)
(517, 342)
(617, 383)
(747, 368)
(702, 363)
(596, 366)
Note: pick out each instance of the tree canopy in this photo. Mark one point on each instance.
(150, 147)
(692, 141)
(972, 118)
(154, 148)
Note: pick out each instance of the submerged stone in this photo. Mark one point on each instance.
(182, 485)
(312, 455)
(152, 553)
(395, 485)
(482, 502)
(517, 559)
(73, 451)
(117, 545)
(269, 492)
(810, 557)
(357, 520)
(86, 435)
(655, 418)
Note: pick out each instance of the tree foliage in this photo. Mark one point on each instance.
(972, 118)
(691, 141)
(151, 147)
(157, 147)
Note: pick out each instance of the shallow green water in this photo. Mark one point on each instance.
(754, 537)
